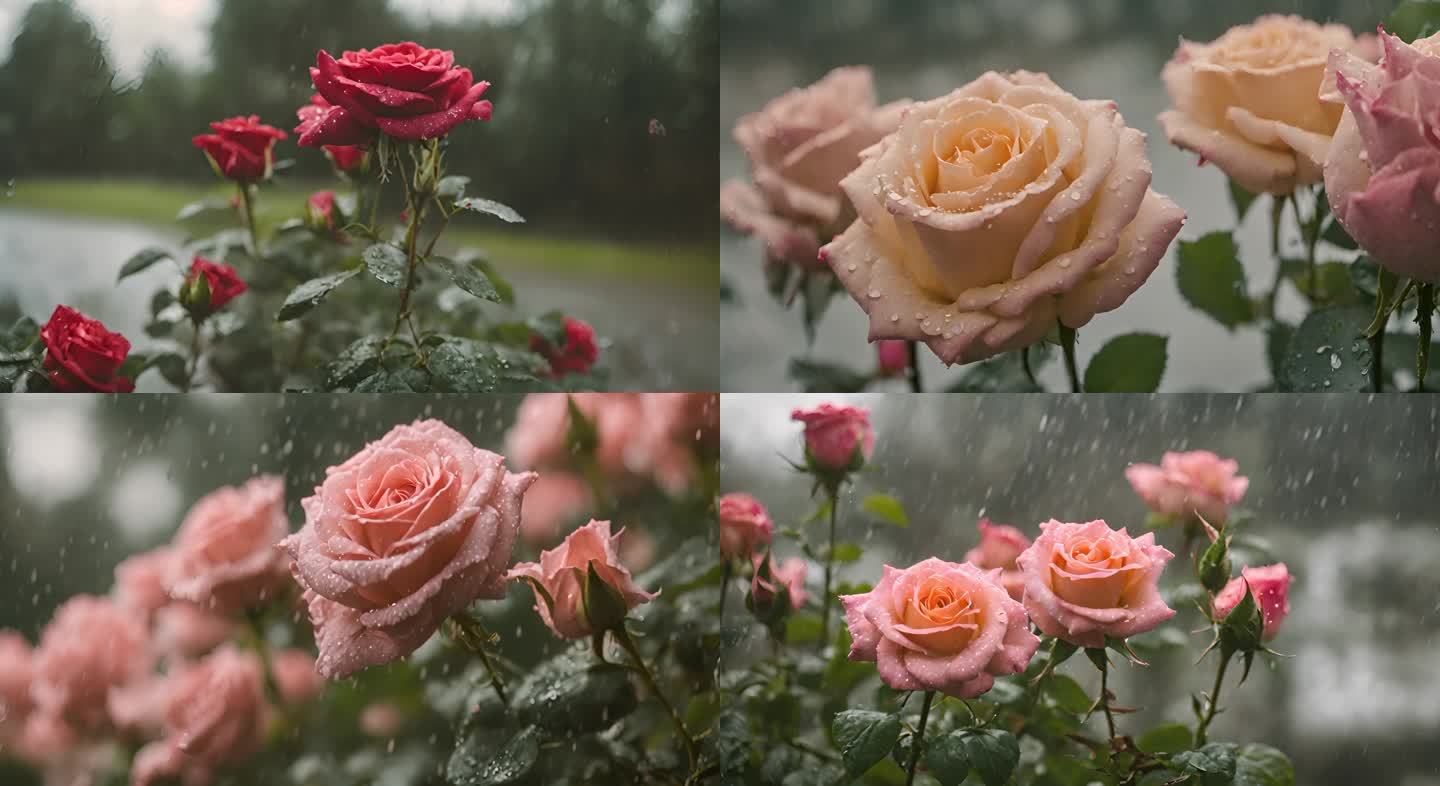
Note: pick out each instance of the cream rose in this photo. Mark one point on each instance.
(995, 210)
(1249, 101)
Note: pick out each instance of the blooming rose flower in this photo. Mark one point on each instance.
(995, 210)
(800, 145)
(413, 528)
(1190, 483)
(893, 356)
(563, 571)
(744, 525)
(1271, 587)
(939, 625)
(790, 574)
(15, 678)
(1000, 546)
(224, 553)
(216, 714)
(224, 284)
(1382, 175)
(575, 356)
(1247, 101)
(90, 646)
(833, 434)
(140, 582)
(295, 675)
(242, 148)
(81, 356)
(404, 90)
(555, 499)
(1084, 582)
(185, 630)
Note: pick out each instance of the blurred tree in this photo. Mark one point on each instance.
(154, 114)
(56, 93)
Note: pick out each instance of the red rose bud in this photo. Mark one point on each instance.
(82, 356)
(348, 159)
(241, 147)
(894, 357)
(320, 211)
(209, 286)
(575, 356)
(403, 90)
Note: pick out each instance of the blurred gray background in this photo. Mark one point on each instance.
(1343, 487)
(926, 48)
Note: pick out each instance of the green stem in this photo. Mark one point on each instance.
(829, 569)
(913, 348)
(248, 208)
(474, 637)
(1425, 308)
(1214, 703)
(622, 637)
(1067, 344)
(194, 364)
(411, 264)
(919, 743)
(1377, 342)
(1105, 696)
(256, 630)
(1277, 215)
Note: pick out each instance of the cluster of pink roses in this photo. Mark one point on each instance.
(93, 677)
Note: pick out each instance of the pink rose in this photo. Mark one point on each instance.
(216, 714)
(224, 554)
(295, 675)
(800, 145)
(1086, 582)
(1271, 587)
(996, 210)
(186, 630)
(15, 676)
(1000, 546)
(1247, 101)
(834, 434)
(139, 707)
(90, 646)
(939, 625)
(411, 529)
(680, 426)
(563, 572)
(1382, 175)
(789, 574)
(744, 525)
(554, 500)
(637, 550)
(47, 740)
(140, 582)
(893, 357)
(1187, 484)
(382, 719)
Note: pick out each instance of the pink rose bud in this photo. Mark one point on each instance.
(553, 501)
(789, 575)
(1382, 172)
(1000, 546)
(894, 357)
(295, 675)
(563, 574)
(1086, 582)
(413, 528)
(90, 646)
(140, 582)
(837, 438)
(1187, 484)
(15, 675)
(744, 525)
(224, 554)
(1271, 587)
(320, 211)
(216, 715)
(942, 626)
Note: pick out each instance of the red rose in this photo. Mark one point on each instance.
(576, 355)
(224, 284)
(320, 210)
(241, 147)
(81, 356)
(404, 90)
(346, 158)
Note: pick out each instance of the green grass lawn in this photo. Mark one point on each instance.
(150, 202)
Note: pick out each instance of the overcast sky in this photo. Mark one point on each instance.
(134, 27)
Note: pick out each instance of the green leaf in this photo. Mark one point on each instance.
(816, 290)
(846, 552)
(817, 377)
(1166, 738)
(452, 187)
(1262, 765)
(1335, 235)
(573, 694)
(404, 380)
(947, 758)
(1068, 694)
(503, 287)
(491, 207)
(461, 366)
(1212, 279)
(386, 263)
(356, 362)
(173, 367)
(141, 260)
(1414, 19)
(469, 279)
(1333, 282)
(477, 761)
(1241, 199)
(1277, 342)
(864, 737)
(309, 294)
(1328, 352)
(1365, 275)
(207, 205)
(992, 754)
(1215, 763)
(886, 508)
(802, 628)
(1004, 374)
(727, 747)
(1132, 363)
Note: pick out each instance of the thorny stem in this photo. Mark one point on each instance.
(194, 364)
(919, 738)
(1067, 343)
(474, 637)
(913, 348)
(622, 637)
(1214, 704)
(1377, 342)
(412, 260)
(248, 208)
(829, 570)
